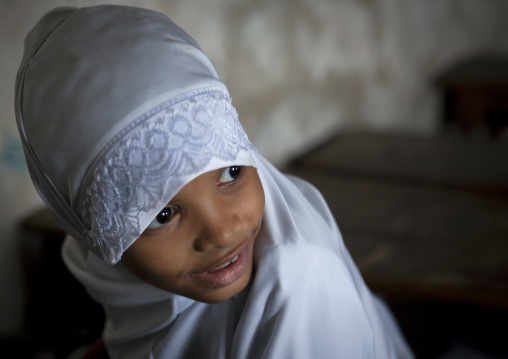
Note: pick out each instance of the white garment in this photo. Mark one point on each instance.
(306, 300)
(118, 109)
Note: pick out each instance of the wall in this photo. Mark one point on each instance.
(298, 70)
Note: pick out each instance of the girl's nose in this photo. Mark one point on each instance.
(218, 226)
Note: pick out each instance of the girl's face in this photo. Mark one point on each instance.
(201, 245)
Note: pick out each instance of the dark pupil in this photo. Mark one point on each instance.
(234, 171)
(164, 216)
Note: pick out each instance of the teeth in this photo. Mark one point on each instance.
(224, 265)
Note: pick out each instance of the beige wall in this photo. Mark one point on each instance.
(298, 70)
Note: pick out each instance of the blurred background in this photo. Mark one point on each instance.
(395, 109)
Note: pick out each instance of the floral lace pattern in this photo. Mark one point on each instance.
(126, 179)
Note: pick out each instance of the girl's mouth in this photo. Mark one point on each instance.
(226, 273)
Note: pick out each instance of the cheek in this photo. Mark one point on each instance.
(150, 270)
(164, 277)
(156, 261)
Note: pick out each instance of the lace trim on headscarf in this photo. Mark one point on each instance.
(183, 136)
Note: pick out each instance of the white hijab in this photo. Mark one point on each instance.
(96, 88)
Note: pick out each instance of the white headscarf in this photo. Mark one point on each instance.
(98, 87)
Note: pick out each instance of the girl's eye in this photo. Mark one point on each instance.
(163, 217)
(230, 174)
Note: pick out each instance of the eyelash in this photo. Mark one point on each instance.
(166, 215)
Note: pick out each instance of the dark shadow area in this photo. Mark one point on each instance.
(475, 93)
(437, 329)
(59, 316)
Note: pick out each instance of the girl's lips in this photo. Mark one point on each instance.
(226, 273)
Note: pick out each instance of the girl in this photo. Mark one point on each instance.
(193, 243)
